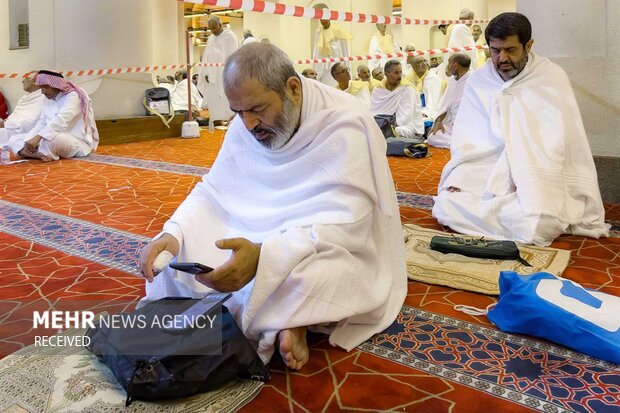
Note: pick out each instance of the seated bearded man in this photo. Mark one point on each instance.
(520, 167)
(298, 215)
(66, 127)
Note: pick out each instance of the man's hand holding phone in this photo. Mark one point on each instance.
(149, 253)
(239, 270)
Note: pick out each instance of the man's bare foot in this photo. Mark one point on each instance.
(25, 153)
(46, 158)
(293, 347)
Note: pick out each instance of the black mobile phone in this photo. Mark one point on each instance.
(190, 318)
(190, 267)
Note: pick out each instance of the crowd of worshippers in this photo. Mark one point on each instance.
(418, 98)
(53, 120)
(309, 238)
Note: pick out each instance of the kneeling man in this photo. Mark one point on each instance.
(66, 127)
(521, 167)
(307, 234)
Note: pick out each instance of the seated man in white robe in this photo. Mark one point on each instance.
(377, 74)
(309, 73)
(427, 84)
(357, 88)
(440, 135)
(26, 113)
(307, 234)
(396, 96)
(66, 127)
(521, 167)
(461, 36)
(363, 74)
(180, 94)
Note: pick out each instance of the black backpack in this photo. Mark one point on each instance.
(174, 365)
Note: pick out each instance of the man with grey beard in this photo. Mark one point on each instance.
(298, 215)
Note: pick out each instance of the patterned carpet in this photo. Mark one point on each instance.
(71, 230)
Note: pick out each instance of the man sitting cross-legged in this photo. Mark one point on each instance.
(298, 215)
(357, 88)
(520, 167)
(26, 113)
(441, 133)
(66, 127)
(398, 97)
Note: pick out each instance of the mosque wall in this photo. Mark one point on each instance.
(583, 37)
(92, 34)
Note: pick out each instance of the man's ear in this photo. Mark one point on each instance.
(294, 85)
(528, 46)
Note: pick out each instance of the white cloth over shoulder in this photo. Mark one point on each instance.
(449, 105)
(324, 208)
(381, 45)
(460, 37)
(404, 102)
(521, 158)
(24, 117)
(330, 42)
(61, 118)
(360, 90)
(217, 51)
(179, 96)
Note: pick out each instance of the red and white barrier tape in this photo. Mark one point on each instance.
(98, 72)
(269, 7)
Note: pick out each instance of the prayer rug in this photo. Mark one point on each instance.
(472, 274)
(48, 379)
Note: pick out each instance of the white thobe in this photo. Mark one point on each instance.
(521, 158)
(62, 127)
(249, 40)
(324, 209)
(460, 37)
(339, 48)
(24, 116)
(217, 51)
(375, 47)
(449, 105)
(404, 102)
(360, 90)
(179, 96)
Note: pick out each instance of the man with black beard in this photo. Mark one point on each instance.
(298, 215)
(521, 167)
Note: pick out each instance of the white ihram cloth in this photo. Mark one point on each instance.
(403, 101)
(217, 51)
(360, 90)
(61, 125)
(25, 115)
(324, 208)
(179, 96)
(430, 85)
(460, 37)
(381, 45)
(521, 158)
(328, 43)
(450, 106)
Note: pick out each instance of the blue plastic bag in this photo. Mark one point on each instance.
(561, 311)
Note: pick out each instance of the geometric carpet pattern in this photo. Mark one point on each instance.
(536, 374)
(70, 230)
